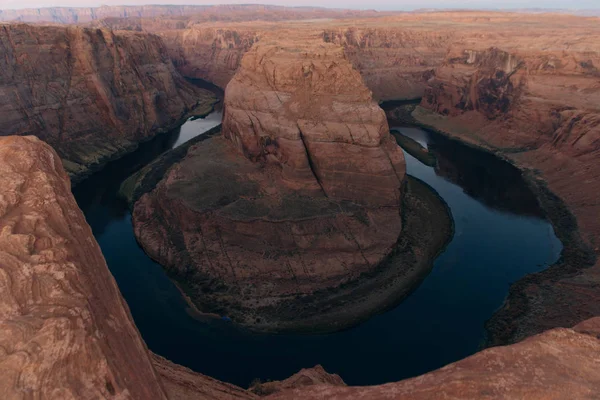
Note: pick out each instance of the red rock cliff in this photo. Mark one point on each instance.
(90, 93)
(65, 330)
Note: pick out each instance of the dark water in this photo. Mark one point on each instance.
(500, 237)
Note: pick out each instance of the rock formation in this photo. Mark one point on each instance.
(92, 94)
(284, 221)
(65, 329)
(196, 13)
(315, 120)
(305, 378)
(536, 104)
(395, 63)
(212, 53)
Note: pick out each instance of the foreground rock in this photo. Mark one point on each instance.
(92, 94)
(65, 329)
(288, 220)
(557, 364)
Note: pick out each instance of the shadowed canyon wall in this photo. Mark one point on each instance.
(93, 94)
(525, 89)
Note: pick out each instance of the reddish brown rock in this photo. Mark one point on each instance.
(287, 221)
(65, 330)
(208, 51)
(315, 121)
(560, 363)
(181, 383)
(395, 62)
(92, 94)
(303, 379)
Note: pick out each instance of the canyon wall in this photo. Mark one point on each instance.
(315, 120)
(395, 62)
(67, 332)
(536, 103)
(209, 52)
(554, 365)
(92, 94)
(197, 13)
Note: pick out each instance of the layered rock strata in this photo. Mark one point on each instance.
(65, 330)
(538, 109)
(284, 221)
(92, 94)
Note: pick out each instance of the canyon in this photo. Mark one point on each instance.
(301, 98)
(93, 94)
(52, 269)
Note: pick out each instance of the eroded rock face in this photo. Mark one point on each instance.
(92, 94)
(212, 53)
(395, 63)
(539, 109)
(300, 195)
(65, 330)
(314, 119)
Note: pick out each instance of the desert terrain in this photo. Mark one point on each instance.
(298, 207)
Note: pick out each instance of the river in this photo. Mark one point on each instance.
(500, 236)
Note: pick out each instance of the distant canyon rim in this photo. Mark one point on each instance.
(302, 87)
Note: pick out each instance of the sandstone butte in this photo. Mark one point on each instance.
(66, 332)
(274, 223)
(93, 94)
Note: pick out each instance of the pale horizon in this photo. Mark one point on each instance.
(383, 5)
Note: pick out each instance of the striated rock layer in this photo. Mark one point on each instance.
(92, 94)
(535, 103)
(287, 221)
(315, 120)
(65, 330)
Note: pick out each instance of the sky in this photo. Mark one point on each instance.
(358, 4)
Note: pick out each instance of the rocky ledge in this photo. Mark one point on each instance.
(292, 219)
